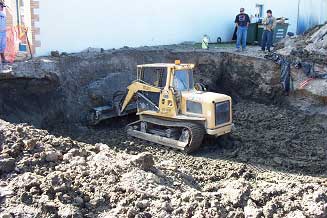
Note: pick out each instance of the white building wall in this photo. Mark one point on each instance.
(311, 13)
(73, 25)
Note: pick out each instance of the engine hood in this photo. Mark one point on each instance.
(205, 97)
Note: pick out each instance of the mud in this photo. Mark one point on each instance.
(268, 167)
(270, 136)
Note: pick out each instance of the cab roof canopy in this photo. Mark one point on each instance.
(167, 65)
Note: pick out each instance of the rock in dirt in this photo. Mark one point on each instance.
(251, 210)
(53, 156)
(6, 215)
(7, 165)
(235, 192)
(131, 213)
(143, 161)
(30, 144)
(69, 211)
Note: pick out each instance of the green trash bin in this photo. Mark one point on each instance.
(252, 33)
(259, 33)
(280, 32)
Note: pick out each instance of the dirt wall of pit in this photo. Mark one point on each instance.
(51, 90)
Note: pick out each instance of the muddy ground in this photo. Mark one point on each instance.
(266, 135)
(272, 165)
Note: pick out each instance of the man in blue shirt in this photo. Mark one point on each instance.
(3, 29)
(242, 22)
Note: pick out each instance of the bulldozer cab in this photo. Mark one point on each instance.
(177, 76)
(183, 80)
(170, 80)
(153, 76)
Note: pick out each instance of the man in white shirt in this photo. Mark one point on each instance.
(3, 28)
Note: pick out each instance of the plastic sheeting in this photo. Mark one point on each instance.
(285, 71)
(12, 44)
(15, 35)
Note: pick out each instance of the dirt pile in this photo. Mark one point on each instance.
(42, 175)
(106, 174)
(312, 46)
(317, 42)
(307, 54)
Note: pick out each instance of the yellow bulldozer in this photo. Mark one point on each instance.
(171, 111)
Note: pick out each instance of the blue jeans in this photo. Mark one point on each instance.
(242, 33)
(267, 38)
(3, 41)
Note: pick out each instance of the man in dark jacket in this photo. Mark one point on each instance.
(242, 22)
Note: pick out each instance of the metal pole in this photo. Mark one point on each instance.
(17, 10)
(298, 17)
(29, 45)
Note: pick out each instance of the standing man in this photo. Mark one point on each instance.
(3, 29)
(269, 23)
(242, 22)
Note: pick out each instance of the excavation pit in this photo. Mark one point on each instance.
(52, 93)
(276, 146)
(64, 89)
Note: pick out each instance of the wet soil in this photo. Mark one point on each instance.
(269, 136)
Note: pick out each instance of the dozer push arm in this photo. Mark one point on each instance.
(134, 88)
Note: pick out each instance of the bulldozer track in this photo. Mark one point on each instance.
(196, 130)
